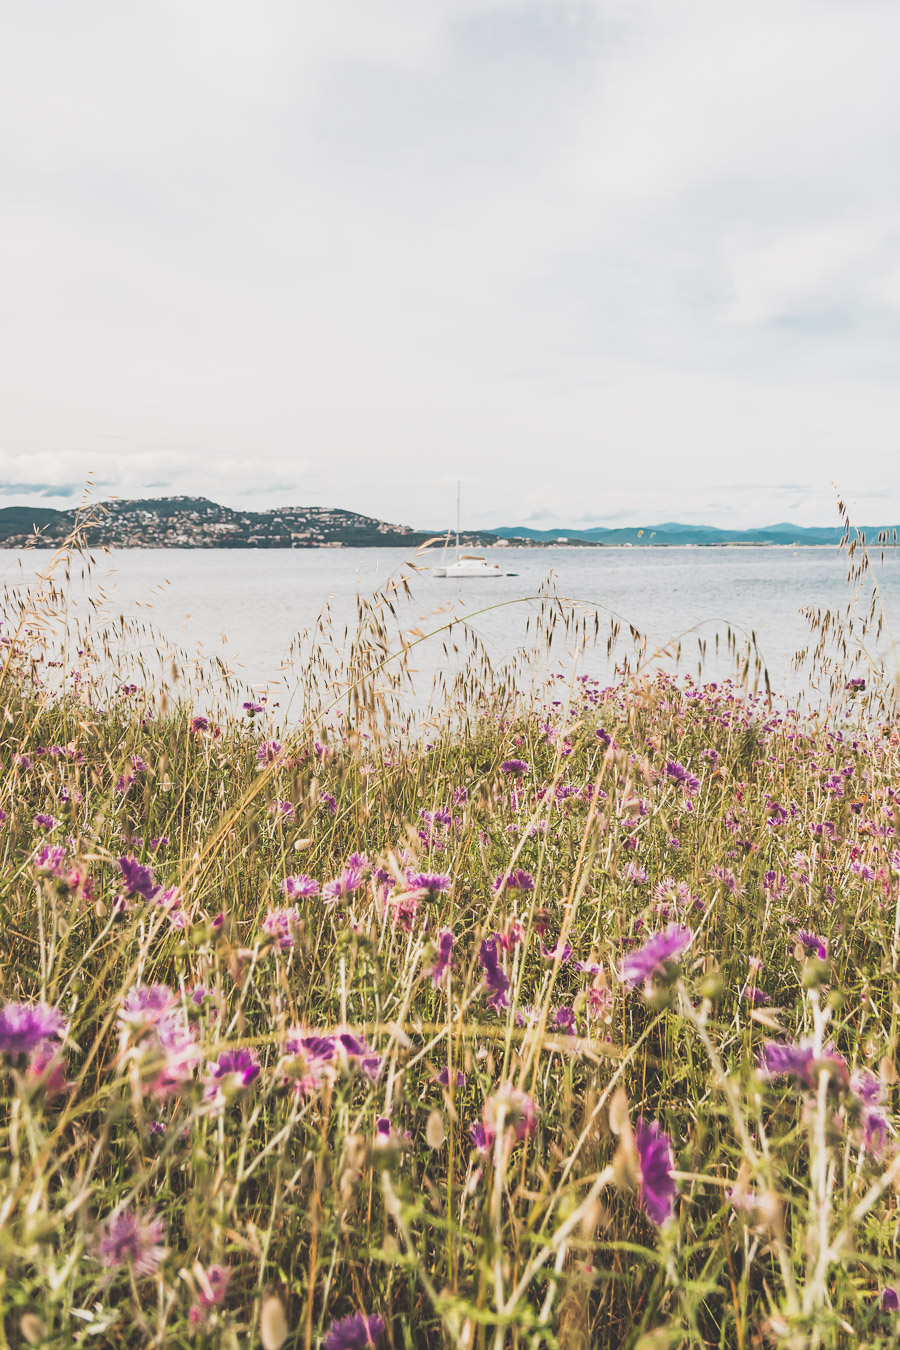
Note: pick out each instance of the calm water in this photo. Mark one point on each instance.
(249, 606)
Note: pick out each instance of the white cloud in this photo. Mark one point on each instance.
(593, 258)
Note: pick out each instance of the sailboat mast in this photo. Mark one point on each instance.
(458, 488)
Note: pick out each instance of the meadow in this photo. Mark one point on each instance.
(566, 1015)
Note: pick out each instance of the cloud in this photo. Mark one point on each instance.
(596, 259)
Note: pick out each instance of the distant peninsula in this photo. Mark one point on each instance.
(196, 522)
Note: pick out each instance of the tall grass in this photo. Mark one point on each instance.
(321, 1013)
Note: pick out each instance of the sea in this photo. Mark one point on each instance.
(176, 609)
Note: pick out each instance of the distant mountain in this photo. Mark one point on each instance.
(673, 533)
(197, 522)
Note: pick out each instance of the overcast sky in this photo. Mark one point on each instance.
(613, 261)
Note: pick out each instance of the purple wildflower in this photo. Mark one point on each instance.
(45, 822)
(638, 967)
(515, 880)
(268, 752)
(240, 1066)
(800, 1062)
(688, 781)
(813, 943)
(251, 709)
(280, 924)
(349, 881)
(494, 977)
(329, 802)
(146, 1004)
(138, 880)
(26, 1026)
(444, 949)
(132, 1237)
(513, 1108)
(431, 884)
(354, 1333)
(50, 859)
(517, 767)
(299, 888)
(657, 1185)
(890, 1299)
(199, 724)
(444, 1077)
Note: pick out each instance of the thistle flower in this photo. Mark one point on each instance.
(512, 1108)
(813, 943)
(232, 1072)
(131, 1237)
(655, 956)
(801, 1062)
(137, 879)
(494, 977)
(444, 949)
(144, 1005)
(354, 1333)
(347, 883)
(429, 884)
(517, 767)
(656, 1164)
(515, 880)
(299, 888)
(24, 1027)
(280, 925)
(687, 780)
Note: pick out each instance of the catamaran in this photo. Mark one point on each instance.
(467, 564)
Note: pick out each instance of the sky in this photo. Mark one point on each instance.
(610, 262)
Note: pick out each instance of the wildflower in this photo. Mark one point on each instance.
(564, 1019)
(444, 1077)
(314, 1056)
(430, 884)
(443, 963)
(199, 724)
(515, 880)
(280, 925)
(800, 1062)
(268, 752)
(813, 943)
(688, 781)
(855, 686)
(50, 859)
(45, 822)
(656, 1164)
(494, 977)
(655, 956)
(329, 802)
(869, 1096)
(251, 709)
(47, 1070)
(144, 1005)
(562, 953)
(890, 1299)
(512, 1109)
(299, 888)
(233, 1070)
(132, 1237)
(517, 767)
(349, 881)
(138, 880)
(210, 1288)
(354, 1333)
(24, 1027)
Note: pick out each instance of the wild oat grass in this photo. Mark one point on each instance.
(570, 1021)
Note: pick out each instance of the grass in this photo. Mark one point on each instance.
(214, 1166)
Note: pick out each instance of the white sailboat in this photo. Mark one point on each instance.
(468, 564)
